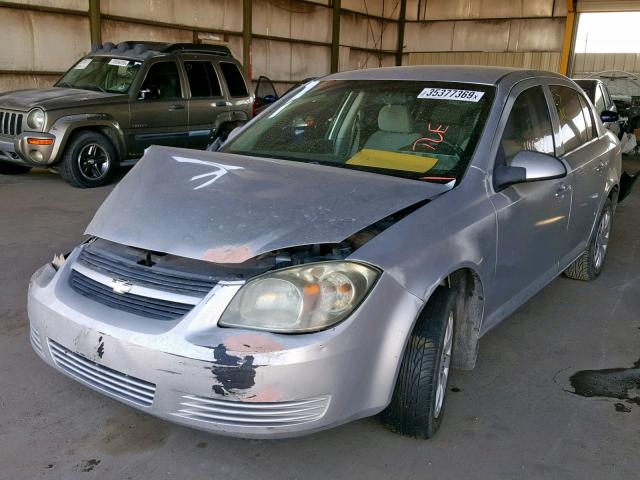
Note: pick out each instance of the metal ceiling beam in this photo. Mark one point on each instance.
(335, 36)
(401, 23)
(247, 26)
(569, 36)
(95, 25)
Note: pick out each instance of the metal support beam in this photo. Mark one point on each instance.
(95, 26)
(401, 21)
(569, 35)
(335, 36)
(247, 28)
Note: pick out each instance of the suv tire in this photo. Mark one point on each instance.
(417, 405)
(588, 266)
(11, 169)
(89, 160)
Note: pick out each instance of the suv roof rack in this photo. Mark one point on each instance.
(146, 49)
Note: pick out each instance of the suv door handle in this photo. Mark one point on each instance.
(220, 104)
(174, 108)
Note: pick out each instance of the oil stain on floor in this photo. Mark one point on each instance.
(618, 383)
(132, 432)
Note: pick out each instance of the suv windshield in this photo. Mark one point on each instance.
(421, 130)
(103, 74)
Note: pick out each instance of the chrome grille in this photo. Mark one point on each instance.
(10, 123)
(145, 306)
(244, 414)
(158, 277)
(35, 340)
(102, 378)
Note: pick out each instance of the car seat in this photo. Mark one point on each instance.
(395, 129)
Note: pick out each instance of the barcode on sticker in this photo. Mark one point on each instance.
(82, 64)
(451, 94)
(119, 62)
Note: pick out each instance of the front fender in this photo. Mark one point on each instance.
(65, 126)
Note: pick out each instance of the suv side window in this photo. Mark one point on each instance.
(164, 77)
(573, 126)
(586, 111)
(528, 126)
(203, 80)
(234, 79)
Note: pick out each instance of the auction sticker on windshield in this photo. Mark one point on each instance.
(82, 64)
(451, 94)
(120, 62)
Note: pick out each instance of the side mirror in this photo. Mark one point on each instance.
(608, 116)
(528, 166)
(149, 93)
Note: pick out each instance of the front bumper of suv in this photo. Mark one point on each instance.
(224, 380)
(32, 149)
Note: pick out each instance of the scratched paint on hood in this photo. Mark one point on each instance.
(228, 208)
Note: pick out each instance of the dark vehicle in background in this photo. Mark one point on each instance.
(118, 100)
(598, 93)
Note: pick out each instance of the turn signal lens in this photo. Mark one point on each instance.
(40, 141)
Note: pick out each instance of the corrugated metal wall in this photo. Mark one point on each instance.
(586, 63)
(291, 38)
(518, 33)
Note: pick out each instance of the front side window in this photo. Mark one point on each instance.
(414, 129)
(573, 126)
(102, 74)
(234, 79)
(203, 80)
(163, 81)
(528, 126)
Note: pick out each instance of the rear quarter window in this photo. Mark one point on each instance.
(234, 79)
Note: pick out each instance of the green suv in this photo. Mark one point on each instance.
(117, 101)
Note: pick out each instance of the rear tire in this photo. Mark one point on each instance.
(417, 406)
(588, 266)
(89, 160)
(11, 169)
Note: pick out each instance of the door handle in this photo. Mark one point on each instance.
(220, 104)
(174, 108)
(562, 190)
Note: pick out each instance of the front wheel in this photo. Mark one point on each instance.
(89, 160)
(589, 265)
(12, 169)
(417, 406)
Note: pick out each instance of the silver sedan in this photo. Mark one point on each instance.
(339, 253)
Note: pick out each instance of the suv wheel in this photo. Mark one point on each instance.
(11, 169)
(417, 406)
(89, 160)
(589, 265)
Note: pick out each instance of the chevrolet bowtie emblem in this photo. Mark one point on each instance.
(121, 286)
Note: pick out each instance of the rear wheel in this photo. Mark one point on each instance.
(11, 169)
(417, 406)
(589, 265)
(89, 160)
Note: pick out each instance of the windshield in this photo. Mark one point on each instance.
(103, 74)
(421, 130)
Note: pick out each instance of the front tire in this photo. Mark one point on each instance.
(417, 406)
(11, 169)
(588, 266)
(89, 160)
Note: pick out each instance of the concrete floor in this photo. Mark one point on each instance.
(514, 416)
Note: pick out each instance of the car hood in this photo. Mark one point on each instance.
(227, 208)
(53, 98)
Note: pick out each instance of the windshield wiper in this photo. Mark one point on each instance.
(96, 88)
(64, 85)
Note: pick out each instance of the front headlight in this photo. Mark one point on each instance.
(300, 299)
(35, 119)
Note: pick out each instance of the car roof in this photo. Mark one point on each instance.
(448, 73)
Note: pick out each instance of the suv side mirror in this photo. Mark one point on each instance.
(608, 116)
(149, 93)
(528, 166)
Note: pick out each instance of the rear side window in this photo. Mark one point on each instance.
(528, 126)
(203, 80)
(234, 79)
(573, 125)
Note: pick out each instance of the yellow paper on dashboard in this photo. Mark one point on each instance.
(404, 162)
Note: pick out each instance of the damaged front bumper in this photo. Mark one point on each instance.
(225, 380)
